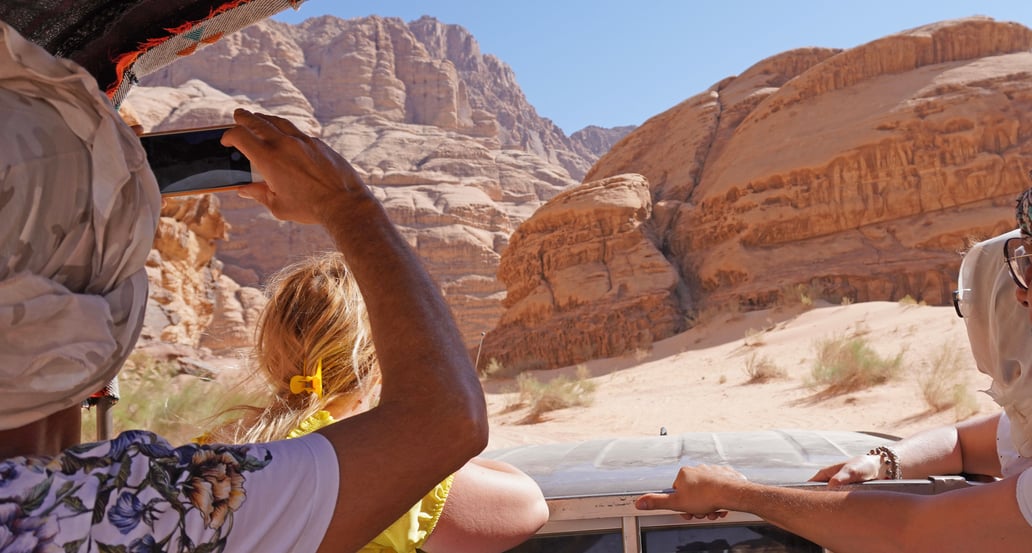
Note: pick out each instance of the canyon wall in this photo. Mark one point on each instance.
(440, 131)
(859, 174)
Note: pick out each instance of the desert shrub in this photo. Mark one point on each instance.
(153, 396)
(494, 368)
(965, 405)
(943, 385)
(845, 364)
(909, 300)
(762, 369)
(557, 393)
(754, 337)
(860, 328)
(846, 300)
(641, 354)
(798, 295)
(497, 369)
(805, 298)
(731, 309)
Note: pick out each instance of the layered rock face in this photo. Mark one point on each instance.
(191, 303)
(585, 280)
(440, 131)
(860, 174)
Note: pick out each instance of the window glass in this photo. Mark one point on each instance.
(725, 539)
(580, 543)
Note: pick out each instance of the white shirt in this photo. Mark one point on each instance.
(138, 492)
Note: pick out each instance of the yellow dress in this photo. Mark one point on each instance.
(409, 532)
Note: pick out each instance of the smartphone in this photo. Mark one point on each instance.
(195, 162)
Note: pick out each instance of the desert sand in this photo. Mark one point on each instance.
(697, 381)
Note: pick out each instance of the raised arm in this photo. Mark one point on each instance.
(969, 447)
(431, 418)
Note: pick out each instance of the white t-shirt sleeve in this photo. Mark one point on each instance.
(1024, 492)
(291, 501)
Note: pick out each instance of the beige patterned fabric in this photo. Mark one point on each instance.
(1000, 334)
(78, 210)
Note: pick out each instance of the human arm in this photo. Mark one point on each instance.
(492, 507)
(984, 517)
(968, 447)
(431, 417)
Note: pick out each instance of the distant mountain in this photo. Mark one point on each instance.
(593, 142)
(442, 133)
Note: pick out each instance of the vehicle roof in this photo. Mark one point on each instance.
(635, 465)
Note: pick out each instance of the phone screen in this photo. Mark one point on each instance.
(194, 162)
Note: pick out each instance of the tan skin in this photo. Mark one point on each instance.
(430, 393)
(427, 375)
(968, 447)
(491, 507)
(49, 436)
(985, 517)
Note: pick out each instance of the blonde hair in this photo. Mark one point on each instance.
(315, 314)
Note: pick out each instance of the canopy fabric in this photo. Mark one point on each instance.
(118, 41)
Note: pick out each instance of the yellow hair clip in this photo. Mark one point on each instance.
(300, 383)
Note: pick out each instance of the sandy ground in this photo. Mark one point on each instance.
(697, 381)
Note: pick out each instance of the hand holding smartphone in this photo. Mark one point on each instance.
(195, 162)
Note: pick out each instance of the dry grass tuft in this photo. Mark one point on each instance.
(762, 369)
(155, 396)
(559, 393)
(909, 301)
(943, 385)
(847, 364)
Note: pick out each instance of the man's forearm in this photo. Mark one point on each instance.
(412, 326)
(842, 521)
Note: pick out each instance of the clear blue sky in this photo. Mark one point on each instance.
(619, 62)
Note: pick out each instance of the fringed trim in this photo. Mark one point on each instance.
(124, 61)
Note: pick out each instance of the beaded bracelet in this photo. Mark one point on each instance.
(891, 461)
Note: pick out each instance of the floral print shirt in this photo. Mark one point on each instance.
(138, 494)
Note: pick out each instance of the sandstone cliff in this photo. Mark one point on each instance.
(585, 280)
(440, 131)
(191, 303)
(861, 174)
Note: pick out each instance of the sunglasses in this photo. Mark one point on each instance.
(1018, 255)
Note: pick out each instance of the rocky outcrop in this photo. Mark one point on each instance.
(189, 302)
(859, 174)
(585, 280)
(441, 132)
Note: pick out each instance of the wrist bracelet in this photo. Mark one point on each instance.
(890, 459)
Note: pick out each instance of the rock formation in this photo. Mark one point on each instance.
(861, 174)
(585, 280)
(440, 131)
(191, 303)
